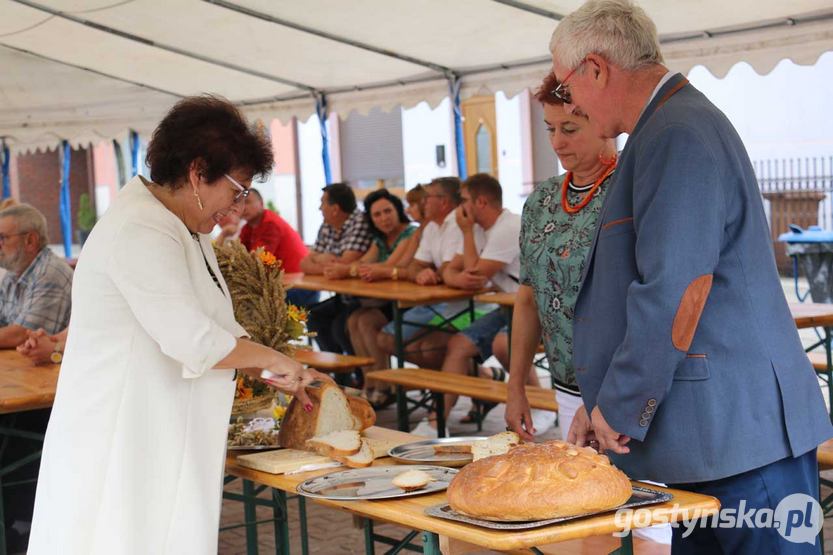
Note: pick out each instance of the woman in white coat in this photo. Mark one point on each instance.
(134, 452)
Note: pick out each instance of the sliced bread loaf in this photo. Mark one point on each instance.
(345, 442)
(364, 457)
(332, 411)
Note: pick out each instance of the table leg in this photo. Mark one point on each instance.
(250, 516)
(369, 547)
(827, 350)
(401, 409)
(302, 516)
(431, 543)
(397, 336)
(439, 406)
(627, 546)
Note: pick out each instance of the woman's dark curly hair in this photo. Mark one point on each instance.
(210, 129)
(380, 194)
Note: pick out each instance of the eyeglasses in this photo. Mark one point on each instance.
(429, 195)
(243, 192)
(561, 92)
(4, 236)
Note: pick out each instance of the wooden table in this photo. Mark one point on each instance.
(410, 512)
(23, 387)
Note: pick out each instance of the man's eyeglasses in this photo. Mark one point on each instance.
(4, 236)
(561, 92)
(243, 192)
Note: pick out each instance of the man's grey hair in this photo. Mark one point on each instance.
(28, 218)
(618, 30)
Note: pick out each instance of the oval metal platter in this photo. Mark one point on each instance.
(424, 452)
(374, 482)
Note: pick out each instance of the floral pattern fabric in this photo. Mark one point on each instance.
(554, 248)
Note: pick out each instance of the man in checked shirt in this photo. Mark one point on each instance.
(35, 293)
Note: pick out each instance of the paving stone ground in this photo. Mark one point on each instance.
(332, 531)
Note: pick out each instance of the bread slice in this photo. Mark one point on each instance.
(453, 449)
(411, 480)
(345, 442)
(361, 459)
(498, 444)
(332, 411)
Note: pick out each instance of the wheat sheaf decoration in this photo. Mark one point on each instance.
(255, 280)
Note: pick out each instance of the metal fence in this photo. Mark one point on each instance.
(799, 174)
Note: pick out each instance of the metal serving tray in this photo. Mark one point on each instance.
(640, 497)
(422, 452)
(373, 482)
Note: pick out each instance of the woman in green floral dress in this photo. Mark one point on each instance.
(557, 228)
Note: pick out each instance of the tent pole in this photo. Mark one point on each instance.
(134, 153)
(321, 110)
(65, 208)
(7, 187)
(454, 84)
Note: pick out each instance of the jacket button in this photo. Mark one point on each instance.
(646, 415)
(643, 422)
(649, 409)
(652, 402)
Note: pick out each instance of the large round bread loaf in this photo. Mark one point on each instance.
(538, 481)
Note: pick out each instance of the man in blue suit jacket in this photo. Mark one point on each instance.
(689, 362)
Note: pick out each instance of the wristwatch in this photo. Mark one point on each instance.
(57, 355)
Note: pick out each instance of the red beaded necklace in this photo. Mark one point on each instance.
(589, 196)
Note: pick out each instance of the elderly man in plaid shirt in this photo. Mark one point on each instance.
(343, 238)
(35, 293)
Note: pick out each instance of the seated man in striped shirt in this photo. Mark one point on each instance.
(35, 293)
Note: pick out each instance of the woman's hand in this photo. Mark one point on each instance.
(518, 416)
(374, 272)
(38, 347)
(292, 377)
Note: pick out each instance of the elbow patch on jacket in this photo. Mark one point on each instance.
(689, 312)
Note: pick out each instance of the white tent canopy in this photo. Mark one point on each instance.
(87, 70)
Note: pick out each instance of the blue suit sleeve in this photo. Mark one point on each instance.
(679, 212)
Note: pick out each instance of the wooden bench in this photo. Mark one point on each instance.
(330, 362)
(819, 361)
(439, 383)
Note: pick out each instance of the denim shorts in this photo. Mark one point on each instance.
(420, 315)
(483, 331)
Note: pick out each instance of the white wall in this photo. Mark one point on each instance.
(787, 113)
(422, 130)
(509, 115)
(312, 176)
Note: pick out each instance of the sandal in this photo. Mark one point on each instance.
(480, 409)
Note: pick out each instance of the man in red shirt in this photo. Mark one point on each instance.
(266, 229)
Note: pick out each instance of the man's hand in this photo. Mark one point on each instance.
(38, 347)
(465, 219)
(609, 439)
(336, 271)
(581, 429)
(518, 416)
(428, 276)
(373, 272)
(470, 279)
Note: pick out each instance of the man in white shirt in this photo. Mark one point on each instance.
(440, 241)
(495, 260)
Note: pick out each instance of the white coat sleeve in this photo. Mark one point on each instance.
(150, 269)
